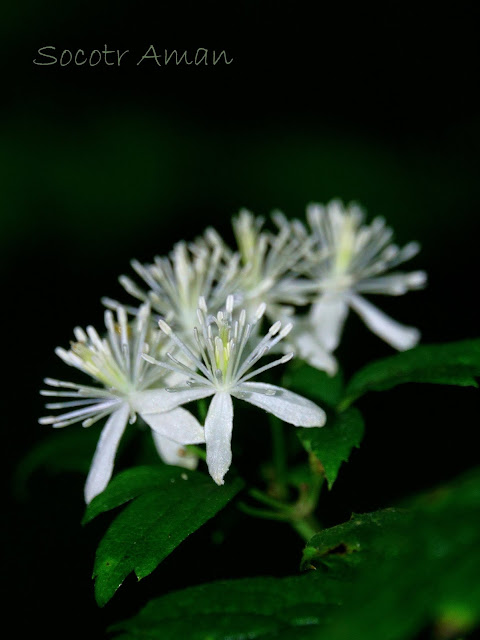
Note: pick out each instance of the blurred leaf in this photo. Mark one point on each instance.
(353, 540)
(333, 443)
(455, 363)
(315, 384)
(412, 570)
(68, 450)
(168, 504)
(248, 608)
(381, 576)
(65, 450)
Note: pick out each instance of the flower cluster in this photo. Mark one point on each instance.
(198, 331)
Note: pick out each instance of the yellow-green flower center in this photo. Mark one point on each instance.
(346, 245)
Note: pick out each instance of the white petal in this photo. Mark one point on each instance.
(173, 453)
(174, 378)
(178, 425)
(286, 405)
(397, 335)
(307, 347)
(218, 434)
(327, 317)
(394, 284)
(102, 463)
(161, 400)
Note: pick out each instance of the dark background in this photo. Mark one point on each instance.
(99, 165)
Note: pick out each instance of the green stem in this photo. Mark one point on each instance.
(318, 478)
(304, 528)
(299, 514)
(279, 456)
(262, 513)
(344, 404)
(271, 502)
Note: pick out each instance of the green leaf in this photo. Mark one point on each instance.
(353, 541)
(128, 485)
(167, 504)
(385, 575)
(455, 363)
(315, 384)
(61, 451)
(236, 609)
(406, 571)
(333, 443)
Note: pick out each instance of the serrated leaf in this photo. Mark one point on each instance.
(167, 504)
(397, 572)
(235, 609)
(418, 570)
(455, 363)
(333, 443)
(128, 485)
(315, 384)
(352, 541)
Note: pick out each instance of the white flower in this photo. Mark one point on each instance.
(308, 347)
(351, 259)
(223, 370)
(116, 362)
(176, 283)
(268, 261)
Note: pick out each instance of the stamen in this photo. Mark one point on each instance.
(94, 419)
(183, 368)
(260, 311)
(165, 327)
(80, 334)
(286, 330)
(275, 363)
(73, 403)
(202, 304)
(275, 328)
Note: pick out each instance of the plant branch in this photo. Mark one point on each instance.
(263, 513)
(272, 502)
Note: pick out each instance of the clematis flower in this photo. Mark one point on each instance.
(268, 260)
(224, 370)
(116, 363)
(308, 347)
(351, 259)
(176, 283)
